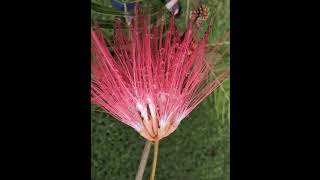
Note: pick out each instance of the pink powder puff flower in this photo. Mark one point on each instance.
(150, 81)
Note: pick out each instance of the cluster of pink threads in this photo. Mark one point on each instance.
(150, 81)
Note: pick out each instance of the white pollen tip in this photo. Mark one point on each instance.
(176, 11)
(170, 4)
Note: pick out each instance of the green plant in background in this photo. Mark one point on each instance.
(104, 13)
(116, 148)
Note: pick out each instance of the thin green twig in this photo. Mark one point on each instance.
(187, 11)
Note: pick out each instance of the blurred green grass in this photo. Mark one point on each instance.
(197, 150)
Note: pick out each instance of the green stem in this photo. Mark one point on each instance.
(155, 157)
(187, 12)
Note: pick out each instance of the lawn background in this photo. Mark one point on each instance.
(197, 150)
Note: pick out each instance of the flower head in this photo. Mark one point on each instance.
(151, 80)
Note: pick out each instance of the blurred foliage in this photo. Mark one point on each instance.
(104, 13)
(197, 150)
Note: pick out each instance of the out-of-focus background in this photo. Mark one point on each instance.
(197, 150)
